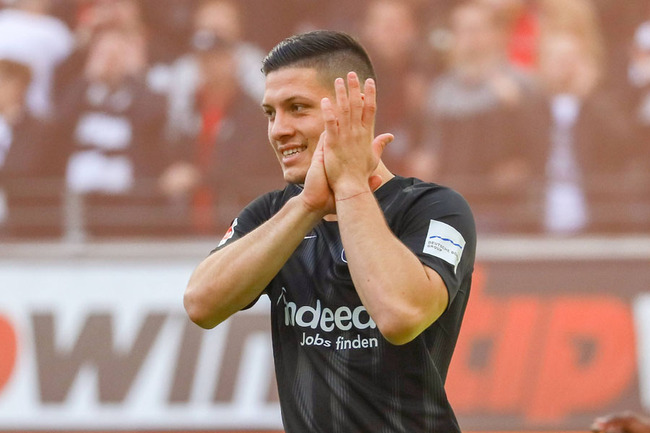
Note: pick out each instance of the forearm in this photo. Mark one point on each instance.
(231, 278)
(390, 280)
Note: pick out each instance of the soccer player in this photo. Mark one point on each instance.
(368, 273)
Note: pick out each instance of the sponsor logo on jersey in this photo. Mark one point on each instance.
(229, 233)
(343, 318)
(325, 320)
(445, 242)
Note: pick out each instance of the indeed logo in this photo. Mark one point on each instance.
(342, 318)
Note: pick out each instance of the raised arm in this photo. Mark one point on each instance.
(233, 277)
(402, 295)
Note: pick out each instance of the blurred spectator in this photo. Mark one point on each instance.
(169, 24)
(581, 141)
(473, 137)
(637, 99)
(30, 167)
(618, 21)
(30, 36)
(519, 19)
(114, 123)
(638, 80)
(391, 35)
(220, 155)
(223, 19)
(92, 18)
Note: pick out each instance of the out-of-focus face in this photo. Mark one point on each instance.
(221, 18)
(475, 35)
(218, 67)
(561, 58)
(292, 106)
(114, 56)
(389, 29)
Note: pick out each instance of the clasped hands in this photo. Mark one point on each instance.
(347, 155)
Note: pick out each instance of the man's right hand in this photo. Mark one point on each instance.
(317, 195)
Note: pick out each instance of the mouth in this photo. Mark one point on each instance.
(292, 151)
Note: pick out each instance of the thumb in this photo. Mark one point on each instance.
(319, 152)
(380, 142)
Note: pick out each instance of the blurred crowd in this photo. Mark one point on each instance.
(142, 117)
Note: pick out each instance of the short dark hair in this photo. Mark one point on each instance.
(332, 53)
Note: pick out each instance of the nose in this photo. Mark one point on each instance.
(280, 127)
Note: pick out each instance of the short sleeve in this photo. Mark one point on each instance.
(438, 227)
(251, 217)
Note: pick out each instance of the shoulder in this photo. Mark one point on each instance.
(410, 202)
(416, 191)
(266, 205)
(257, 213)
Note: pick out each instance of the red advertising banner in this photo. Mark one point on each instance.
(553, 336)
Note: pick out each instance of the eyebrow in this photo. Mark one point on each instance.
(289, 100)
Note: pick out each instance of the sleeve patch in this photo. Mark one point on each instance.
(445, 242)
(229, 233)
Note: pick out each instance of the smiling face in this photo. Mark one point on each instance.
(292, 106)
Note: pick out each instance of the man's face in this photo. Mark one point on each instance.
(292, 105)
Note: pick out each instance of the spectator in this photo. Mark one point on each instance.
(92, 17)
(216, 158)
(638, 79)
(391, 34)
(30, 169)
(618, 21)
(585, 136)
(169, 23)
(114, 123)
(637, 99)
(29, 35)
(519, 19)
(473, 137)
(223, 19)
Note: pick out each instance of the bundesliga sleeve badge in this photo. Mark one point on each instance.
(229, 233)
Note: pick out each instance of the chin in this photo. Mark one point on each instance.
(292, 177)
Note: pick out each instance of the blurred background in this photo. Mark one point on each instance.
(131, 134)
(140, 118)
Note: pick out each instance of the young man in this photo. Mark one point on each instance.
(368, 273)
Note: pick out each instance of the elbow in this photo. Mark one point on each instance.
(402, 327)
(196, 309)
(398, 332)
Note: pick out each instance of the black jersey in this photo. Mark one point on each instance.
(335, 371)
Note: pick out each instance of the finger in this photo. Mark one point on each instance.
(329, 117)
(319, 152)
(355, 97)
(369, 102)
(380, 142)
(342, 102)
